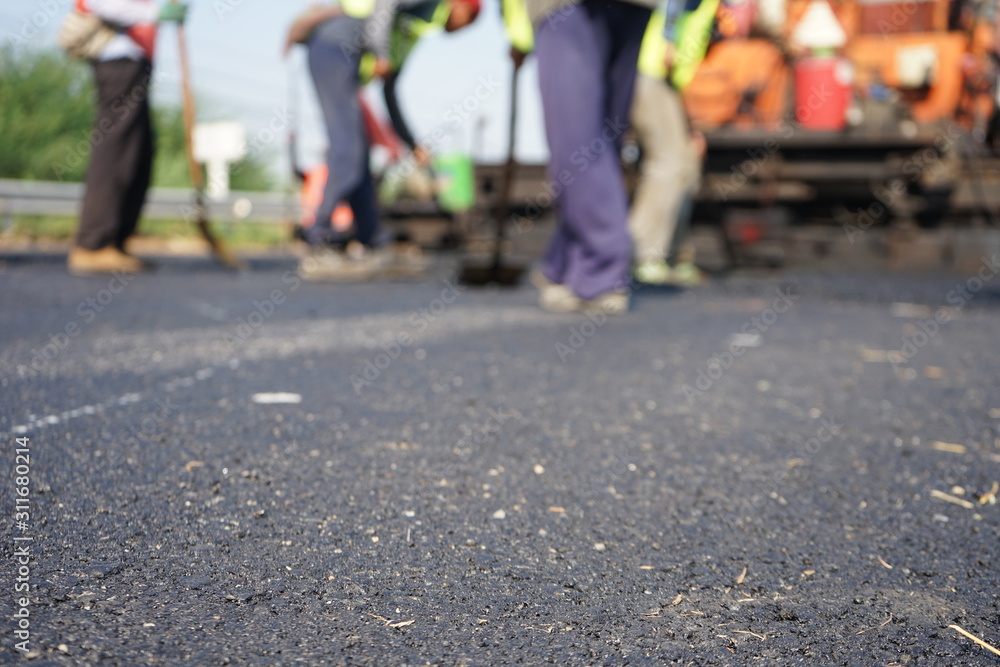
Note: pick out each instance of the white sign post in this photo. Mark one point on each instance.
(218, 145)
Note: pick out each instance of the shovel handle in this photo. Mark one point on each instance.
(507, 180)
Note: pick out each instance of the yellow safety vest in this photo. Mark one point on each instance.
(694, 30)
(520, 32)
(406, 32)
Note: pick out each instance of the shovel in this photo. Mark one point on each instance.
(496, 271)
(221, 253)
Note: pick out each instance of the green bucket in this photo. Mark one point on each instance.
(456, 187)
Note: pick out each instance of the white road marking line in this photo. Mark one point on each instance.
(52, 420)
(276, 398)
(34, 423)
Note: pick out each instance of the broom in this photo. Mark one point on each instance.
(197, 175)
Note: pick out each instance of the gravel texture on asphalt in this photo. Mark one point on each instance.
(746, 473)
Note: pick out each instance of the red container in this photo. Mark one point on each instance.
(822, 92)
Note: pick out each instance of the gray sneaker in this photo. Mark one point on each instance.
(539, 280)
(331, 265)
(558, 299)
(609, 303)
(406, 261)
(553, 297)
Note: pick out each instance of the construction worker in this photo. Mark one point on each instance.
(671, 164)
(349, 44)
(121, 156)
(587, 52)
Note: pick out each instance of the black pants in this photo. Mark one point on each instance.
(121, 158)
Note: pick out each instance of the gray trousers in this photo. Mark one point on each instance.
(333, 64)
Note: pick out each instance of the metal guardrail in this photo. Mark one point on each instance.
(63, 199)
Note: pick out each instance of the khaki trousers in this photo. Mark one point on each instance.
(670, 169)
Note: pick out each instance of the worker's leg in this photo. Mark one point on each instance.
(335, 72)
(682, 228)
(667, 165)
(579, 55)
(628, 25)
(589, 249)
(578, 58)
(139, 185)
(118, 154)
(362, 200)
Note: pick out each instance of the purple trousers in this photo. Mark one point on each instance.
(587, 56)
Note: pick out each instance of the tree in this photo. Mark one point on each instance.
(46, 121)
(45, 117)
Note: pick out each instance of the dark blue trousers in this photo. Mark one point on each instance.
(587, 57)
(333, 64)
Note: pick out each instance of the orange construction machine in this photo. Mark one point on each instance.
(934, 56)
(833, 101)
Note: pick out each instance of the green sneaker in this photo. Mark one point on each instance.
(686, 274)
(652, 272)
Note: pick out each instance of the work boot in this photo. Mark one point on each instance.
(83, 262)
(143, 264)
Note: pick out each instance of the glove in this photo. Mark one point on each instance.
(174, 11)
(382, 68)
(422, 155)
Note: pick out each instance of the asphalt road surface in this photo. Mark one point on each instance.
(789, 468)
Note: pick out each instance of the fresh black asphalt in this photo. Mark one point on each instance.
(779, 468)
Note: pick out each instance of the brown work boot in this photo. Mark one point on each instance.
(83, 262)
(143, 264)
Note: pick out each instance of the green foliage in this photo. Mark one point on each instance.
(46, 115)
(251, 174)
(46, 120)
(242, 234)
(170, 168)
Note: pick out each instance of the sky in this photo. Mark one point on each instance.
(454, 84)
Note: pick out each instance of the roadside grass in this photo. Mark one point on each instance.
(57, 228)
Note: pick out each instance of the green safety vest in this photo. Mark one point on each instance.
(407, 30)
(694, 30)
